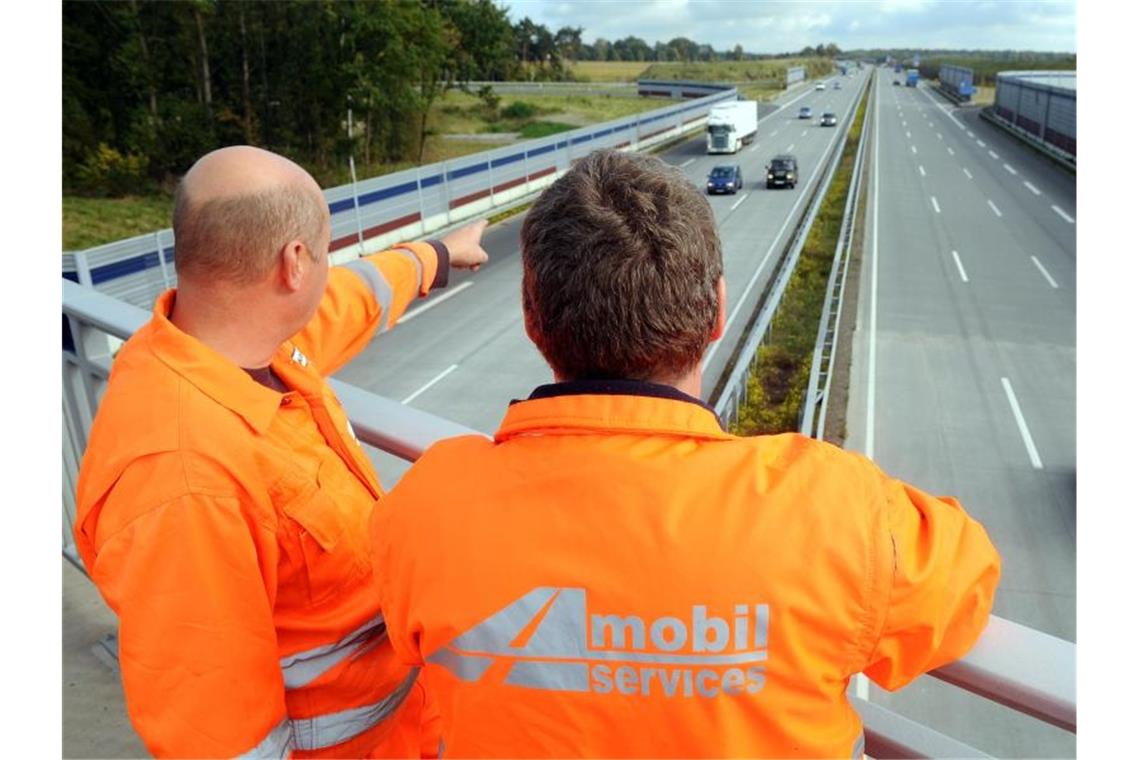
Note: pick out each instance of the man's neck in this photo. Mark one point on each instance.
(689, 383)
(237, 333)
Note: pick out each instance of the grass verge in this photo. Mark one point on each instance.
(608, 71)
(92, 221)
(774, 398)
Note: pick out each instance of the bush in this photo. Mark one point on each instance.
(490, 101)
(520, 110)
(107, 172)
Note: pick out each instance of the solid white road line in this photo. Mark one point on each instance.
(1010, 169)
(431, 382)
(950, 151)
(961, 270)
(993, 155)
(944, 108)
(873, 317)
(1032, 189)
(733, 208)
(1044, 272)
(993, 207)
(971, 176)
(937, 208)
(686, 163)
(1064, 216)
(914, 150)
(1034, 459)
(921, 170)
(434, 302)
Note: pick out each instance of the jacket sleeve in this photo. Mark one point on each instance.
(191, 581)
(367, 296)
(943, 572)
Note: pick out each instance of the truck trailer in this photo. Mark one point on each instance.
(731, 125)
(912, 77)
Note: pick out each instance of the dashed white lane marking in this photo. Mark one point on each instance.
(914, 150)
(937, 208)
(950, 151)
(1010, 169)
(993, 208)
(434, 302)
(1064, 216)
(733, 208)
(790, 147)
(961, 270)
(921, 170)
(967, 171)
(939, 135)
(1044, 272)
(686, 163)
(1032, 189)
(1034, 459)
(908, 134)
(431, 382)
(993, 155)
(969, 134)
(981, 144)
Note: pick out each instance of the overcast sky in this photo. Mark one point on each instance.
(780, 26)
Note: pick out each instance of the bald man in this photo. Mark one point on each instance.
(224, 501)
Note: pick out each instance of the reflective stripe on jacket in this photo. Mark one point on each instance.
(615, 575)
(226, 524)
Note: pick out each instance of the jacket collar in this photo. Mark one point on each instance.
(210, 372)
(611, 406)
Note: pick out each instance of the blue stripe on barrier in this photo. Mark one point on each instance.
(562, 144)
(467, 170)
(603, 133)
(387, 192)
(540, 151)
(117, 269)
(73, 276)
(338, 206)
(431, 181)
(507, 159)
(580, 139)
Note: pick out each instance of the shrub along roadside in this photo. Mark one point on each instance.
(775, 395)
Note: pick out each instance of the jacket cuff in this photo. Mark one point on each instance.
(443, 265)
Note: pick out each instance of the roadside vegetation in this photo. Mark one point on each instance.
(774, 398)
(987, 65)
(608, 71)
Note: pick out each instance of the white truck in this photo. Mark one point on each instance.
(731, 125)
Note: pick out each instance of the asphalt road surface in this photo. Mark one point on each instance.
(964, 373)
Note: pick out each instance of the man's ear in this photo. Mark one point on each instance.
(721, 309)
(293, 261)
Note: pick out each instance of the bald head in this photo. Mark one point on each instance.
(235, 210)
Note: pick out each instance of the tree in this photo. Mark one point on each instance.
(738, 53)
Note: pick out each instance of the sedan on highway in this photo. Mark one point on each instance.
(838, 85)
(828, 119)
(805, 112)
(782, 171)
(820, 86)
(725, 179)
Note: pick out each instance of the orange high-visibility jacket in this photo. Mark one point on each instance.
(226, 525)
(614, 575)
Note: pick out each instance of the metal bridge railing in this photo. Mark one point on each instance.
(1016, 666)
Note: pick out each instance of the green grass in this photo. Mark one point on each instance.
(544, 129)
(93, 221)
(738, 71)
(775, 395)
(608, 71)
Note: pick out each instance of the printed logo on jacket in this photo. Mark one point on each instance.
(552, 643)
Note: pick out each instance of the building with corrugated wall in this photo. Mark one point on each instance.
(1042, 105)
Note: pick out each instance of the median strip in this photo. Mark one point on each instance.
(774, 398)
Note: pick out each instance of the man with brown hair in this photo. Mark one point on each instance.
(616, 575)
(223, 500)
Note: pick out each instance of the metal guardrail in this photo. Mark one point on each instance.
(814, 417)
(733, 390)
(1016, 666)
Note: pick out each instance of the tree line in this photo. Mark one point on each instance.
(148, 86)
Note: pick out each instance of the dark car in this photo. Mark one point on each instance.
(805, 112)
(896, 82)
(783, 171)
(725, 179)
(828, 119)
(838, 85)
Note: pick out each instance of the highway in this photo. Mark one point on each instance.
(462, 353)
(964, 367)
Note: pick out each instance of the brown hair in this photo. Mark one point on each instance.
(620, 266)
(236, 238)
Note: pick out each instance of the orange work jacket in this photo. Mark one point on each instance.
(226, 524)
(615, 575)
